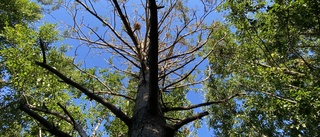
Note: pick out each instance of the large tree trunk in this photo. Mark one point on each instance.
(148, 119)
(144, 123)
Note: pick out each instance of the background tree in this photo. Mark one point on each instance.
(23, 83)
(273, 57)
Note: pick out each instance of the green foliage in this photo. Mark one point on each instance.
(25, 79)
(14, 12)
(272, 55)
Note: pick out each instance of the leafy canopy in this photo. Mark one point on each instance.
(272, 55)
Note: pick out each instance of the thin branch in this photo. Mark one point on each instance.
(285, 70)
(190, 119)
(106, 44)
(190, 84)
(76, 125)
(202, 104)
(280, 97)
(51, 112)
(42, 45)
(115, 49)
(194, 68)
(179, 67)
(169, 10)
(302, 58)
(270, 94)
(126, 23)
(123, 117)
(51, 128)
(67, 118)
(66, 111)
(186, 53)
(96, 128)
(105, 23)
(126, 72)
(267, 52)
(110, 92)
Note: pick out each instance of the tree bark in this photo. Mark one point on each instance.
(144, 123)
(148, 119)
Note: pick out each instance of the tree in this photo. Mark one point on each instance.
(262, 78)
(148, 96)
(21, 80)
(271, 55)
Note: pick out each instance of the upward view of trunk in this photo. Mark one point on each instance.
(148, 120)
(144, 123)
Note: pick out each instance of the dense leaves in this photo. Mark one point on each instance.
(21, 78)
(14, 12)
(271, 54)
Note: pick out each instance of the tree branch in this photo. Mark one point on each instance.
(43, 51)
(280, 97)
(105, 23)
(91, 95)
(190, 119)
(96, 127)
(110, 92)
(51, 112)
(202, 104)
(116, 50)
(51, 128)
(76, 125)
(285, 70)
(194, 68)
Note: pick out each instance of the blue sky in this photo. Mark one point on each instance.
(93, 58)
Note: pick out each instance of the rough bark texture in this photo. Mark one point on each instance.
(148, 120)
(144, 123)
